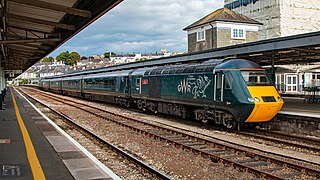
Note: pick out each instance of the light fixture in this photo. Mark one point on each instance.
(284, 52)
(260, 54)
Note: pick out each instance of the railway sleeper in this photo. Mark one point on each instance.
(177, 138)
(186, 141)
(271, 169)
(194, 144)
(247, 160)
(291, 175)
(258, 164)
(214, 150)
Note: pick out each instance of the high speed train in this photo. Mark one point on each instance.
(232, 92)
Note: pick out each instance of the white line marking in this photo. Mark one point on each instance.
(84, 150)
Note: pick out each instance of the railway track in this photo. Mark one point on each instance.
(249, 160)
(310, 144)
(148, 169)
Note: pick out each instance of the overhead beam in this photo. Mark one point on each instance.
(23, 41)
(56, 7)
(26, 49)
(39, 21)
(21, 53)
(31, 46)
(28, 29)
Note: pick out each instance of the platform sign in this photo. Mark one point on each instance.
(5, 141)
(11, 170)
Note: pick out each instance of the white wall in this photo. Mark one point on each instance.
(299, 16)
(283, 17)
(2, 79)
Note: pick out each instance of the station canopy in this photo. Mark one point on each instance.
(31, 29)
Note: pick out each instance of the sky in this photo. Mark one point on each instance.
(140, 26)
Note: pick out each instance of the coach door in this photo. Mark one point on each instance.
(218, 91)
(126, 86)
(138, 86)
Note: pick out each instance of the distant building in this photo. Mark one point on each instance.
(220, 28)
(292, 79)
(280, 17)
(127, 58)
(45, 69)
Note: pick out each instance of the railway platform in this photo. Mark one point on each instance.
(297, 106)
(31, 147)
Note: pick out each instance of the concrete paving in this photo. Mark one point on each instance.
(58, 156)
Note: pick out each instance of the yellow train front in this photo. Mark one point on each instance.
(248, 94)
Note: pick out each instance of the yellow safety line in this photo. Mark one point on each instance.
(36, 169)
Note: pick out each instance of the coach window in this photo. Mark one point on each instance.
(138, 82)
(228, 83)
(219, 81)
(113, 82)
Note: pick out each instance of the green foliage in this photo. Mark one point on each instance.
(47, 59)
(62, 57)
(69, 58)
(24, 81)
(83, 58)
(73, 58)
(107, 54)
(141, 59)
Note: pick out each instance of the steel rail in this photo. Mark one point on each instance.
(313, 148)
(100, 139)
(212, 156)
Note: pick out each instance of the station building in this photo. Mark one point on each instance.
(220, 28)
(295, 79)
(244, 21)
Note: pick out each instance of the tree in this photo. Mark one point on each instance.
(68, 58)
(107, 54)
(141, 59)
(73, 58)
(83, 58)
(62, 57)
(47, 59)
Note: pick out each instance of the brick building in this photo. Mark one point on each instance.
(220, 28)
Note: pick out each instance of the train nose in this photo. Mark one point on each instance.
(267, 103)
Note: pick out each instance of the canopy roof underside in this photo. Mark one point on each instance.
(30, 30)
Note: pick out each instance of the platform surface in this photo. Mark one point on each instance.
(297, 106)
(58, 157)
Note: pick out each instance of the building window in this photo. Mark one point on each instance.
(201, 35)
(238, 33)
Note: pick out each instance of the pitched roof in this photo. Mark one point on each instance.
(223, 14)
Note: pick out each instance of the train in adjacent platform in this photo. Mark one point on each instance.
(231, 92)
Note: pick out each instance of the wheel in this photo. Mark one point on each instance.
(127, 103)
(204, 121)
(139, 104)
(231, 124)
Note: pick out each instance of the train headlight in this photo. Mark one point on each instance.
(279, 98)
(257, 99)
(250, 99)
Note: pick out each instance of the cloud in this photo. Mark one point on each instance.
(141, 26)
